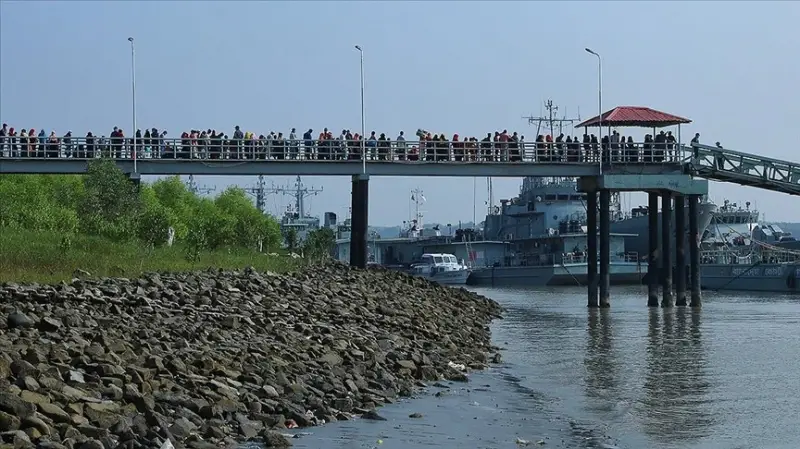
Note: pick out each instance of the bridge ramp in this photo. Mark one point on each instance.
(752, 170)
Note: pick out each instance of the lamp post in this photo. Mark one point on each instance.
(599, 102)
(133, 100)
(363, 125)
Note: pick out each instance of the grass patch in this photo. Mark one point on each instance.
(45, 257)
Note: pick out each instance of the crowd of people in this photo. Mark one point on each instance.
(500, 146)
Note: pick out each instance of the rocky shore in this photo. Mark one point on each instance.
(209, 359)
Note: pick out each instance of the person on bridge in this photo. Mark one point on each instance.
(3, 137)
(400, 148)
(294, 147)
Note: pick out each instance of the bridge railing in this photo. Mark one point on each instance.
(338, 150)
(747, 256)
(549, 260)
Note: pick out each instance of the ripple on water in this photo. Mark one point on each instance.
(718, 378)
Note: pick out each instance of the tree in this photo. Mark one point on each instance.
(249, 225)
(319, 244)
(173, 194)
(291, 239)
(111, 202)
(105, 203)
(155, 219)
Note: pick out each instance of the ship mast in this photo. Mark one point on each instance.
(259, 192)
(299, 193)
(550, 120)
(418, 198)
(490, 196)
(197, 190)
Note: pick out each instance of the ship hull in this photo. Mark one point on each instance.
(640, 243)
(449, 277)
(627, 273)
(773, 278)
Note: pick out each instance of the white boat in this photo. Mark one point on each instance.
(442, 268)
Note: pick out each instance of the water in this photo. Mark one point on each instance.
(628, 377)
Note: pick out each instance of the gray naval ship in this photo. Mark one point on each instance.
(742, 255)
(537, 238)
(542, 233)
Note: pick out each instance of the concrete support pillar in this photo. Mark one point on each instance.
(605, 248)
(591, 256)
(654, 258)
(359, 221)
(666, 249)
(680, 250)
(136, 179)
(694, 249)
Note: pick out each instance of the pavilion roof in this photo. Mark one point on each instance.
(637, 116)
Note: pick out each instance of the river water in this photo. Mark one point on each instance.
(625, 377)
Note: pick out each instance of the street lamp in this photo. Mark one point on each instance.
(133, 100)
(599, 101)
(363, 125)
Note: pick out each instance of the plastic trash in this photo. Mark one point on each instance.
(457, 366)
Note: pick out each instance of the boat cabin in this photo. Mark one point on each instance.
(564, 249)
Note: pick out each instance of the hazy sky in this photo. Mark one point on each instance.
(466, 68)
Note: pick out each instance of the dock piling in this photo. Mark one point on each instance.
(605, 250)
(666, 249)
(653, 273)
(694, 250)
(591, 257)
(680, 250)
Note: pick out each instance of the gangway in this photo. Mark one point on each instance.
(722, 164)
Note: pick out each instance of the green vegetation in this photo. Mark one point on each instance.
(102, 223)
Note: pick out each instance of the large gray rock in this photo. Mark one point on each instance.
(18, 320)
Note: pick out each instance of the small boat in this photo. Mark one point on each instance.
(442, 268)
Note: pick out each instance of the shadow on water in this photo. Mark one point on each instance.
(674, 406)
(600, 361)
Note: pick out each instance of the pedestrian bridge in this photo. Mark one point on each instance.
(402, 158)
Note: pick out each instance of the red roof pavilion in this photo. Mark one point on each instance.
(637, 116)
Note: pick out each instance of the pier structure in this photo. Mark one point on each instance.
(669, 187)
(666, 170)
(678, 188)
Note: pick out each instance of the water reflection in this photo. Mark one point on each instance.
(600, 361)
(674, 407)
